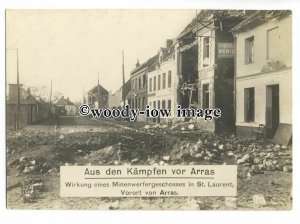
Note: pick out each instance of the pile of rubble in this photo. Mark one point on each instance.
(28, 165)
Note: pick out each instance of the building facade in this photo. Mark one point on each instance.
(97, 97)
(29, 110)
(206, 68)
(163, 81)
(64, 107)
(137, 97)
(263, 72)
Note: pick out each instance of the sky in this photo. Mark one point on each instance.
(70, 47)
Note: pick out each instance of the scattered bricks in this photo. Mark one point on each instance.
(26, 170)
(161, 163)
(38, 186)
(245, 158)
(258, 200)
(207, 158)
(257, 161)
(201, 204)
(279, 167)
(270, 167)
(20, 167)
(147, 126)
(24, 159)
(191, 126)
(287, 169)
(277, 146)
(249, 176)
(114, 206)
(269, 156)
(199, 155)
(288, 162)
(230, 154)
(231, 202)
(255, 169)
(283, 147)
(32, 162)
(261, 167)
(166, 158)
(192, 205)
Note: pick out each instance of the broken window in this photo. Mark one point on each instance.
(154, 83)
(249, 50)
(205, 100)
(169, 79)
(164, 81)
(140, 82)
(273, 38)
(205, 50)
(163, 104)
(144, 81)
(169, 104)
(136, 84)
(249, 104)
(144, 103)
(150, 85)
(158, 84)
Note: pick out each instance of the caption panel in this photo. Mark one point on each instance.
(148, 181)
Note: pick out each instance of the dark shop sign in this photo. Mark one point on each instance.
(225, 50)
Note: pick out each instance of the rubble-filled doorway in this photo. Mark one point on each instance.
(272, 110)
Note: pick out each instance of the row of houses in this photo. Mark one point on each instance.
(236, 60)
(30, 109)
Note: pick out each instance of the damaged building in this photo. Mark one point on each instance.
(206, 65)
(97, 97)
(264, 74)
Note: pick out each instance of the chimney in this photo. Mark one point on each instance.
(62, 97)
(68, 98)
(169, 43)
(137, 63)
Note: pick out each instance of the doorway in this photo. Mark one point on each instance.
(272, 110)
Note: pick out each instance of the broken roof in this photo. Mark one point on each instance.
(204, 17)
(259, 17)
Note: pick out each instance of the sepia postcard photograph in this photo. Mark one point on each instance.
(148, 109)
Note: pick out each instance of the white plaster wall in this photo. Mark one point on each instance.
(169, 93)
(260, 46)
(260, 82)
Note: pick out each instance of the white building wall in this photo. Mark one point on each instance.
(251, 75)
(260, 83)
(169, 93)
(260, 46)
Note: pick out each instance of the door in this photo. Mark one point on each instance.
(272, 110)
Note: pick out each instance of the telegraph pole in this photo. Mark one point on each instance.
(18, 92)
(50, 101)
(123, 76)
(98, 92)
